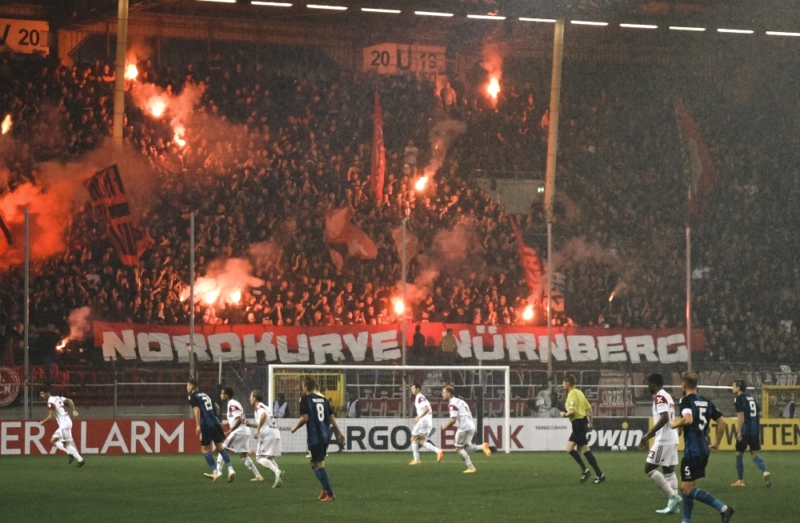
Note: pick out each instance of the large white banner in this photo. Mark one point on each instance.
(24, 36)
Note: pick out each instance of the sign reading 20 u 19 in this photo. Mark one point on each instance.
(404, 58)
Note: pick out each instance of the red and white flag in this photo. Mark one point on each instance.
(378, 151)
(339, 230)
(531, 264)
(702, 174)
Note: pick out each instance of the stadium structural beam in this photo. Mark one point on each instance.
(119, 82)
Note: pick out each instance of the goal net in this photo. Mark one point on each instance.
(379, 414)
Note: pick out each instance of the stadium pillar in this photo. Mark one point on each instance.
(191, 295)
(689, 298)
(27, 318)
(119, 82)
(403, 341)
(550, 178)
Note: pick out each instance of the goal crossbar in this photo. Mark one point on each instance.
(406, 368)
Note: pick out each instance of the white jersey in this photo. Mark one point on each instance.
(270, 427)
(662, 402)
(421, 402)
(56, 404)
(460, 411)
(235, 411)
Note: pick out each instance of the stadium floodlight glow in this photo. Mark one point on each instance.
(639, 26)
(432, 13)
(736, 31)
(486, 17)
(539, 20)
(327, 7)
(781, 33)
(587, 22)
(271, 4)
(376, 10)
(219, 1)
(684, 28)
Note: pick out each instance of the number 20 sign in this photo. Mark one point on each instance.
(404, 58)
(24, 36)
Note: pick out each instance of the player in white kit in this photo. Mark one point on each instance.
(461, 417)
(238, 439)
(269, 437)
(664, 452)
(423, 426)
(62, 438)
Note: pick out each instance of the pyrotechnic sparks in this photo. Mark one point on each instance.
(157, 106)
(236, 296)
(179, 132)
(493, 88)
(527, 314)
(60, 346)
(131, 72)
(421, 183)
(7, 123)
(211, 296)
(399, 306)
(611, 297)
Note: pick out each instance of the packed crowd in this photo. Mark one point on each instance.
(269, 150)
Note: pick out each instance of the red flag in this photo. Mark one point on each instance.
(702, 174)
(340, 230)
(6, 241)
(531, 264)
(378, 151)
(108, 195)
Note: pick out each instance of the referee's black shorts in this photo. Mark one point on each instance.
(580, 431)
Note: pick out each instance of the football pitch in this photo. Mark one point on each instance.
(379, 487)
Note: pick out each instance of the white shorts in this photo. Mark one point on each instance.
(422, 428)
(269, 447)
(238, 441)
(663, 455)
(464, 437)
(64, 433)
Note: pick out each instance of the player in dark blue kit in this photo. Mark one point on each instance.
(696, 414)
(208, 429)
(749, 432)
(316, 414)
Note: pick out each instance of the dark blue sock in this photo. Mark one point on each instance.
(225, 457)
(323, 478)
(760, 463)
(210, 460)
(707, 498)
(740, 468)
(688, 505)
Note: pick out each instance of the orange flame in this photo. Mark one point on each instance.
(60, 346)
(131, 72)
(236, 296)
(178, 138)
(211, 296)
(399, 306)
(611, 297)
(493, 88)
(157, 106)
(421, 183)
(527, 314)
(7, 123)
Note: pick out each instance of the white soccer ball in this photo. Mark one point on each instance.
(614, 448)
(623, 447)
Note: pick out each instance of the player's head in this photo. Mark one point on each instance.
(448, 392)
(739, 387)
(192, 385)
(655, 382)
(310, 384)
(569, 382)
(689, 382)
(226, 393)
(256, 396)
(46, 392)
(415, 388)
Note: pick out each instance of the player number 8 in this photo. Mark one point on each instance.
(320, 412)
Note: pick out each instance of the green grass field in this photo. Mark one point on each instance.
(379, 487)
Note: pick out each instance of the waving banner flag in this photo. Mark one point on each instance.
(108, 195)
(702, 174)
(6, 241)
(378, 151)
(531, 264)
(340, 231)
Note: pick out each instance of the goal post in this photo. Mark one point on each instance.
(381, 390)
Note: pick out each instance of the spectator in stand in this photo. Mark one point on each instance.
(280, 407)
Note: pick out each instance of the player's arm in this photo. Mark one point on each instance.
(452, 420)
(662, 420)
(339, 433)
(739, 425)
(71, 406)
(717, 416)
(302, 421)
(589, 415)
(197, 418)
(425, 411)
(685, 419)
(50, 416)
(261, 420)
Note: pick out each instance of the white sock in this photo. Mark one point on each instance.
(672, 478)
(430, 446)
(252, 466)
(270, 464)
(60, 446)
(219, 463)
(415, 450)
(72, 449)
(465, 457)
(472, 448)
(661, 482)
